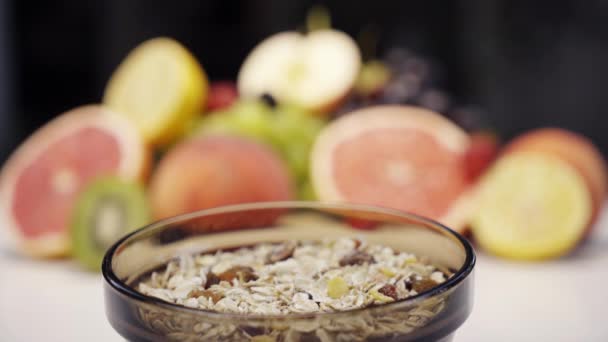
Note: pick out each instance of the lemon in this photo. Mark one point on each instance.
(532, 206)
(160, 87)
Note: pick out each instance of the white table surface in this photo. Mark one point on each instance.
(563, 300)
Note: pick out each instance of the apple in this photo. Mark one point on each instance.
(315, 71)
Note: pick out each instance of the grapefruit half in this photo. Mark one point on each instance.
(41, 179)
(400, 157)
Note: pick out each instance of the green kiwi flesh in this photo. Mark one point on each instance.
(106, 210)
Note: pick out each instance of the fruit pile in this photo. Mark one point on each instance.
(306, 119)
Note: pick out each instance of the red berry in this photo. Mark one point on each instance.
(221, 95)
(482, 152)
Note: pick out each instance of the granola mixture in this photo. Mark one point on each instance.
(294, 277)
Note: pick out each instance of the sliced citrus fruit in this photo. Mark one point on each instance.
(160, 86)
(400, 157)
(573, 148)
(40, 181)
(531, 206)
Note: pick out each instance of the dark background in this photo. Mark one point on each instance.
(526, 63)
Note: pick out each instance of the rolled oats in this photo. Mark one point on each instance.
(294, 277)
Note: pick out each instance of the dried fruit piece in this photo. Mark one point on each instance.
(215, 297)
(409, 284)
(424, 284)
(389, 291)
(337, 287)
(263, 338)
(357, 258)
(212, 279)
(388, 272)
(281, 252)
(243, 273)
(379, 297)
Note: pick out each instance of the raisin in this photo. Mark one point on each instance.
(357, 258)
(215, 297)
(408, 284)
(389, 291)
(253, 331)
(423, 285)
(281, 252)
(243, 273)
(212, 279)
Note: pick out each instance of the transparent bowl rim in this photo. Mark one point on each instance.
(121, 287)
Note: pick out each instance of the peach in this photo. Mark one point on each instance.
(218, 170)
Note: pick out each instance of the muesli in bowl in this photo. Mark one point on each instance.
(290, 272)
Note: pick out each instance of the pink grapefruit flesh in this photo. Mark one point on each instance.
(399, 157)
(40, 181)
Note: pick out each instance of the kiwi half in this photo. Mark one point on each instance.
(106, 210)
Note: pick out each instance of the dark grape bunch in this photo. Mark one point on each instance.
(415, 80)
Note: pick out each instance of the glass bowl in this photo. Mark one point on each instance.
(433, 315)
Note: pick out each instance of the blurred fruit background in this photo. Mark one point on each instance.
(486, 116)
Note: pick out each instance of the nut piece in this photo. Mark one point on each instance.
(389, 291)
(215, 297)
(242, 273)
(357, 258)
(281, 252)
(336, 287)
